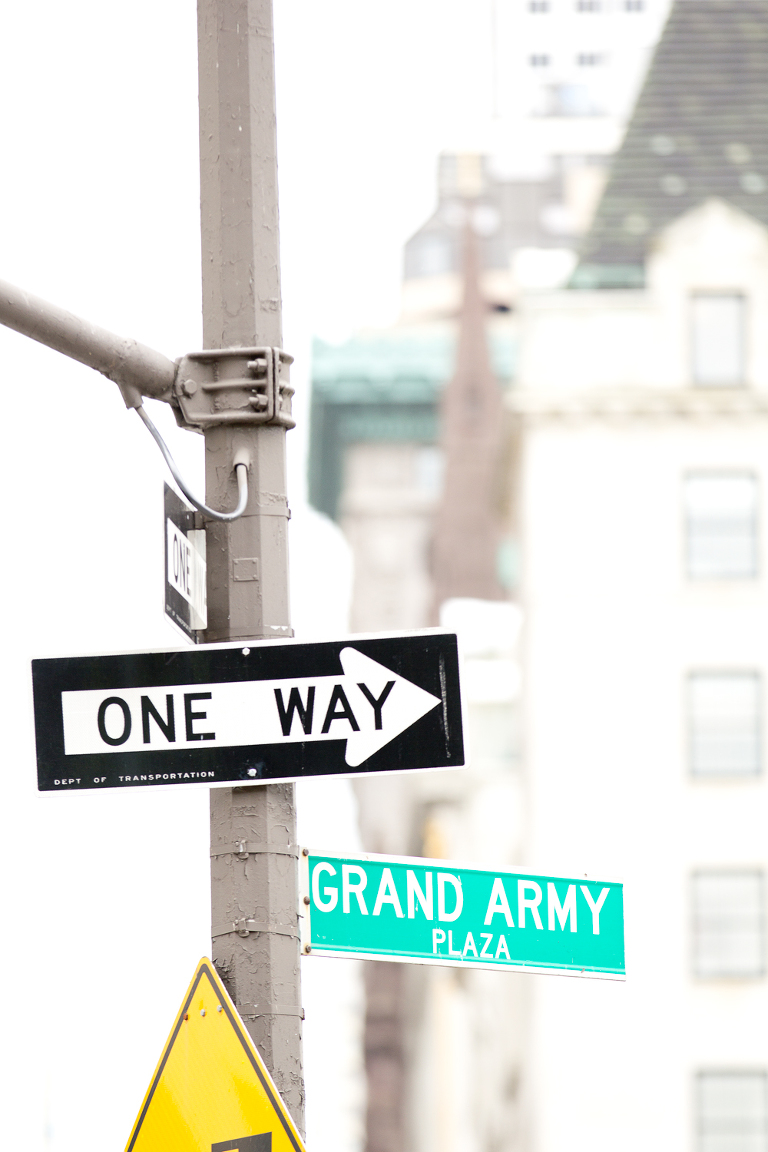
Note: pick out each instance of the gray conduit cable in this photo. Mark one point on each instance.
(240, 469)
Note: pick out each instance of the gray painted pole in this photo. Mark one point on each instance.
(254, 872)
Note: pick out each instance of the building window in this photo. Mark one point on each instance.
(430, 254)
(721, 525)
(538, 6)
(717, 338)
(588, 5)
(634, 5)
(569, 100)
(588, 59)
(724, 723)
(732, 1111)
(729, 923)
(538, 60)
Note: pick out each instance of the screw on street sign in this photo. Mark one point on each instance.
(185, 592)
(274, 710)
(211, 1089)
(438, 912)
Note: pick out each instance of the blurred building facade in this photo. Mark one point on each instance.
(642, 395)
(567, 73)
(629, 536)
(564, 75)
(408, 432)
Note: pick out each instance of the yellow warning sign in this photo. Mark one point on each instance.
(211, 1091)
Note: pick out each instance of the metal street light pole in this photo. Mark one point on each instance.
(254, 874)
(238, 395)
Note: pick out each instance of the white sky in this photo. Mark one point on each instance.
(105, 897)
(368, 95)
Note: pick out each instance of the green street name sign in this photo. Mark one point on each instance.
(421, 911)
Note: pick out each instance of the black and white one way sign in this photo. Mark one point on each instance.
(270, 711)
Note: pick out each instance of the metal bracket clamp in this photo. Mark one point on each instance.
(233, 386)
(243, 927)
(242, 849)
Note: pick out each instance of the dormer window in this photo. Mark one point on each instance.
(718, 339)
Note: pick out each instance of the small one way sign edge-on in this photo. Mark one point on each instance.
(185, 581)
(260, 713)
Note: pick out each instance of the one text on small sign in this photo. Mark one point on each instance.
(277, 710)
(436, 912)
(185, 570)
(211, 1089)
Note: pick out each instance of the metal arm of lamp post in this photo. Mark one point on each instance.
(221, 386)
(260, 396)
(131, 365)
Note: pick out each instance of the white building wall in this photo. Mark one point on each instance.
(612, 627)
(389, 494)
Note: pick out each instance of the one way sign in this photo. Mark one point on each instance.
(270, 711)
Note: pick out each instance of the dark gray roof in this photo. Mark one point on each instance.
(700, 129)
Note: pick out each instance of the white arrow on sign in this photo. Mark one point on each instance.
(368, 706)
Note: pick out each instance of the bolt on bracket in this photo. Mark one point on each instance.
(233, 386)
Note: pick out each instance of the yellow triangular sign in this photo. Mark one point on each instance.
(211, 1091)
